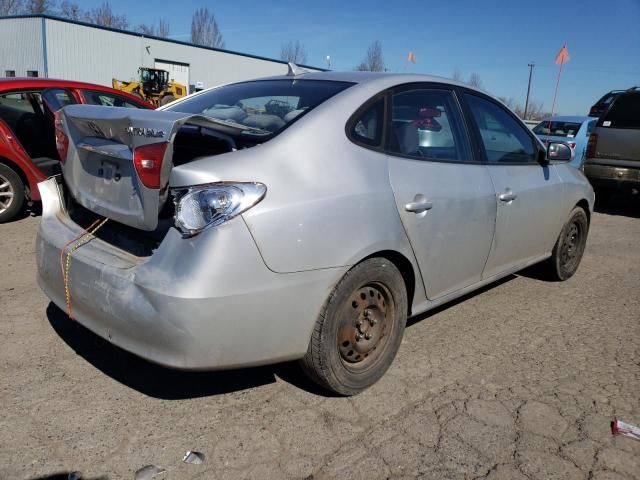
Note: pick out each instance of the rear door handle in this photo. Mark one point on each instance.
(418, 207)
(508, 196)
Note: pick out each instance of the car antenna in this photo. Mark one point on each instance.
(295, 70)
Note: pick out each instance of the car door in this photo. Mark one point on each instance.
(444, 196)
(527, 191)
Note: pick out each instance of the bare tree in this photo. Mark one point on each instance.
(71, 10)
(475, 81)
(151, 30)
(10, 7)
(457, 75)
(205, 30)
(535, 111)
(146, 29)
(104, 16)
(374, 61)
(163, 28)
(293, 52)
(39, 6)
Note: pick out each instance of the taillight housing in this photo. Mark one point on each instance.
(147, 160)
(572, 145)
(591, 145)
(62, 141)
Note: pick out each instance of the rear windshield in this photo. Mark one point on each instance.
(265, 107)
(624, 113)
(557, 129)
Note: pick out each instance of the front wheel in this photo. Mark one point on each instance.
(359, 331)
(569, 247)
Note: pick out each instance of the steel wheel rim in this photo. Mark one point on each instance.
(365, 327)
(6, 194)
(571, 246)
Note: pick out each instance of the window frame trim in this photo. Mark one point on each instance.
(475, 130)
(355, 117)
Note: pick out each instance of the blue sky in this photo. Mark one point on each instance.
(494, 38)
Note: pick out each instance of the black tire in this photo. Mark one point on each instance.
(167, 99)
(11, 193)
(568, 250)
(359, 330)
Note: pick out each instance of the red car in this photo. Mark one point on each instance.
(28, 151)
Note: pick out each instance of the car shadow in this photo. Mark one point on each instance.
(623, 204)
(165, 383)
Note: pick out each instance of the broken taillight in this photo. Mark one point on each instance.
(62, 141)
(147, 160)
(591, 145)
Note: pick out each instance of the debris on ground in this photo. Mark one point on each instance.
(148, 472)
(618, 427)
(193, 457)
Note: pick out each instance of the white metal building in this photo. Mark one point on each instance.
(44, 46)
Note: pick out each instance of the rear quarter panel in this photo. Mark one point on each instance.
(328, 202)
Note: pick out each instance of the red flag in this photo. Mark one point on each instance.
(411, 57)
(563, 56)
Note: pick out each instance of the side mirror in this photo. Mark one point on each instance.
(559, 151)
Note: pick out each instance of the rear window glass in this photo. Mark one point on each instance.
(557, 129)
(624, 113)
(265, 107)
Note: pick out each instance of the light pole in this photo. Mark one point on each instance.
(526, 103)
(329, 61)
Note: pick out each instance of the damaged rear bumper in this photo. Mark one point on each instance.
(207, 302)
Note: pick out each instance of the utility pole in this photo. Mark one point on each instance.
(526, 103)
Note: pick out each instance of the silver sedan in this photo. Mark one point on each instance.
(299, 217)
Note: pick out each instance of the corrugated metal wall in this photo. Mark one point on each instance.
(85, 53)
(21, 46)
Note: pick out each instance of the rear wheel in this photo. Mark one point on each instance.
(359, 331)
(11, 193)
(569, 247)
(167, 99)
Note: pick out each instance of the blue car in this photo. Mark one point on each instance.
(569, 129)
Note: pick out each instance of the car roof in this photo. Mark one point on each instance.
(12, 83)
(368, 77)
(569, 118)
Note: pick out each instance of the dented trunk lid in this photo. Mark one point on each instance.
(99, 170)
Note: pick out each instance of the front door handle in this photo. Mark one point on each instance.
(418, 206)
(508, 196)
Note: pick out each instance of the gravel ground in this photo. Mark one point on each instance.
(517, 381)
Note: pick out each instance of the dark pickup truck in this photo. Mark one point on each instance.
(613, 153)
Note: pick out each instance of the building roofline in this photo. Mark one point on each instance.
(153, 37)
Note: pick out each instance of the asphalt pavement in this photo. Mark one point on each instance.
(518, 381)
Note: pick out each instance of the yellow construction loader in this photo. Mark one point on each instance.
(153, 86)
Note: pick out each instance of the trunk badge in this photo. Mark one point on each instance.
(145, 132)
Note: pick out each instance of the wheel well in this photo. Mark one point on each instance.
(403, 264)
(19, 172)
(585, 206)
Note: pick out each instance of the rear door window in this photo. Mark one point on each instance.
(624, 113)
(425, 123)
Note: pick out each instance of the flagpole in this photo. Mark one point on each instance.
(555, 93)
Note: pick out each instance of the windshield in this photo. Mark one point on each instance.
(262, 107)
(557, 129)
